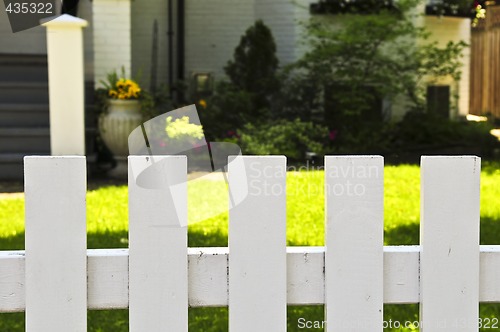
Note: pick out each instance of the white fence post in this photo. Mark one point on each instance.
(449, 240)
(66, 85)
(56, 243)
(354, 243)
(158, 278)
(257, 245)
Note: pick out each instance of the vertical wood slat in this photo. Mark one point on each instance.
(449, 240)
(158, 289)
(257, 245)
(56, 243)
(354, 243)
(485, 65)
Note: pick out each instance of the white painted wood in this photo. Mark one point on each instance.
(12, 281)
(306, 280)
(401, 274)
(158, 279)
(66, 85)
(56, 244)
(208, 279)
(208, 268)
(489, 282)
(257, 245)
(449, 240)
(354, 243)
(107, 274)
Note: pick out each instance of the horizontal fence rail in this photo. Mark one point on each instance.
(158, 277)
(208, 279)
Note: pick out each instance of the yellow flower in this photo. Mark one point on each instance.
(203, 103)
(123, 88)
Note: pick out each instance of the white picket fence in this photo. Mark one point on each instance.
(56, 279)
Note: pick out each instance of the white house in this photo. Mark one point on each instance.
(158, 41)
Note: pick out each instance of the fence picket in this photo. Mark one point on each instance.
(56, 243)
(158, 282)
(449, 240)
(257, 246)
(354, 243)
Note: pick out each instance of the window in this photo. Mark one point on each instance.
(438, 100)
(202, 84)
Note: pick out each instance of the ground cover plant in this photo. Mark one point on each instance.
(107, 228)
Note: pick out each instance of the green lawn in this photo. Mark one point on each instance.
(107, 228)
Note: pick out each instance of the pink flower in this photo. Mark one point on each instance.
(332, 135)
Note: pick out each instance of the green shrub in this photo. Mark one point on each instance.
(255, 64)
(354, 61)
(253, 82)
(290, 138)
(419, 130)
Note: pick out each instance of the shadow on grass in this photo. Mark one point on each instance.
(107, 240)
(402, 235)
(15, 242)
(410, 234)
(490, 231)
(214, 238)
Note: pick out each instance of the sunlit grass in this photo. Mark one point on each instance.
(107, 208)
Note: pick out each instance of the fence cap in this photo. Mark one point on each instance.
(64, 21)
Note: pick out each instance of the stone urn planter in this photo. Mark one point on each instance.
(115, 125)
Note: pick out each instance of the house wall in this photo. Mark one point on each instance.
(280, 17)
(31, 41)
(302, 16)
(34, 40)
(85, 12)
(143, 19)
(213, 30)
(445, 29)
(112, 40)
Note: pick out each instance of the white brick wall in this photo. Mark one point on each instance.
(280, 17)
(213, 30)
(112, 37)
(144, 15)
(302, 16)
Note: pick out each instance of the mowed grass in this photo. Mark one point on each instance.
(107, 215)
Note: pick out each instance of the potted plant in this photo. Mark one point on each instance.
(122, 114)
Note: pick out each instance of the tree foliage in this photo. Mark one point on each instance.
(247, 96)
(255, 64)
(356, 59)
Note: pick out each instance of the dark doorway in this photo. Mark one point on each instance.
(438, 100)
